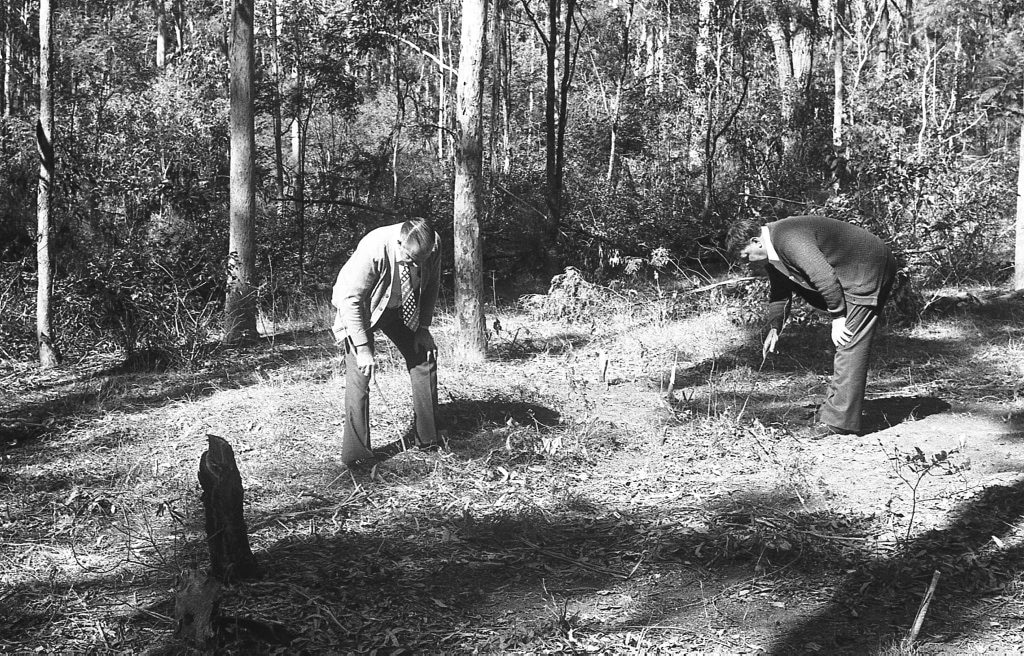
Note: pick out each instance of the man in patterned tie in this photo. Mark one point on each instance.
(389, 284)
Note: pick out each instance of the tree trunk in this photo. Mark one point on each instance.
(226, 533)
(240, 304)
(160, 9)
(472, 340)
(442, 85)
(500, 103)
(553, 191)
(8, 56)
(839, 46)
(49, 356)
(1018, 272)
(196, 607)
(276, 24)
(625, 50)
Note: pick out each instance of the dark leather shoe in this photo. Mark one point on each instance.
(826, 430)
(364, 464)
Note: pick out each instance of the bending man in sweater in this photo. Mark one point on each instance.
(837, 267)
(389, 284)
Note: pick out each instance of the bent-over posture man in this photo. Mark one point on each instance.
(389, 285)
(837, 267)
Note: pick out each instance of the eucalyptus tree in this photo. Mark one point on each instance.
(49, 356)
(240, 301)
(468, 202)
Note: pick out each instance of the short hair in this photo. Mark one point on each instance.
(741, 232)
(418, 237)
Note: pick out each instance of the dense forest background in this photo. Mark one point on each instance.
(621, 137)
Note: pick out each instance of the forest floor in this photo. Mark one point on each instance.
(678, 504)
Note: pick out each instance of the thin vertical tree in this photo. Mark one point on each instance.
(560, 52)
(8, 55)
(49, 356)
(240, 303)
(472, 340)
(838, 73)
(160, 12)
(1018, 272)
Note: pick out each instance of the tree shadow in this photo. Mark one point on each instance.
(118, 387)
(885, 412)
(877, 602)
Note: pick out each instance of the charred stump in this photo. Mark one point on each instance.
(226, 533)
(196, 605)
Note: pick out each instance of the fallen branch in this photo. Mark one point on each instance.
(578, 563)
(723, 283)
(923, 610)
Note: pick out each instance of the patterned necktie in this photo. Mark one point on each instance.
(410, 309)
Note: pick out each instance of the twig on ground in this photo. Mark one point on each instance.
(578, 563)
(923, 610)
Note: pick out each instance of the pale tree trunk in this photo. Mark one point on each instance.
(838, 99)
(299, 134)
(179, 24)
(49, 356)
(793, 44)
(276, 25)
(160, 9)
(625, 50)
(442, 84)
(882, 63)
(704, 88)
(8, 56)
(1018, 271)
(240, 304)
(501, 107)
(472, 339)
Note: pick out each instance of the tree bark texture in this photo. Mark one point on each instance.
(472, 341)
(226, 532)
(49, 356)
(1018, 272)
(240, 304)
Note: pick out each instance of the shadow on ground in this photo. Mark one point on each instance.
(884, 412)
(877, 603)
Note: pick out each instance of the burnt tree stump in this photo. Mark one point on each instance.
(226, 533)
(196, 607)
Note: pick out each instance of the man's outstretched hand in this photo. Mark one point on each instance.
(841, 335)
(769, 343)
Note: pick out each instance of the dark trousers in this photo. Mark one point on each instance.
(845, 396)
(422, 374)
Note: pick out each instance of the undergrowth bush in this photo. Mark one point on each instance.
(142, 304)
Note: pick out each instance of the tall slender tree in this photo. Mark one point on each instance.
(240, 303)
(49, 356)
(1018, 273)
(472, 342)
(8, 55)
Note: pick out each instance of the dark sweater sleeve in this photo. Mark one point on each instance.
(780, 297)
(798, 250)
